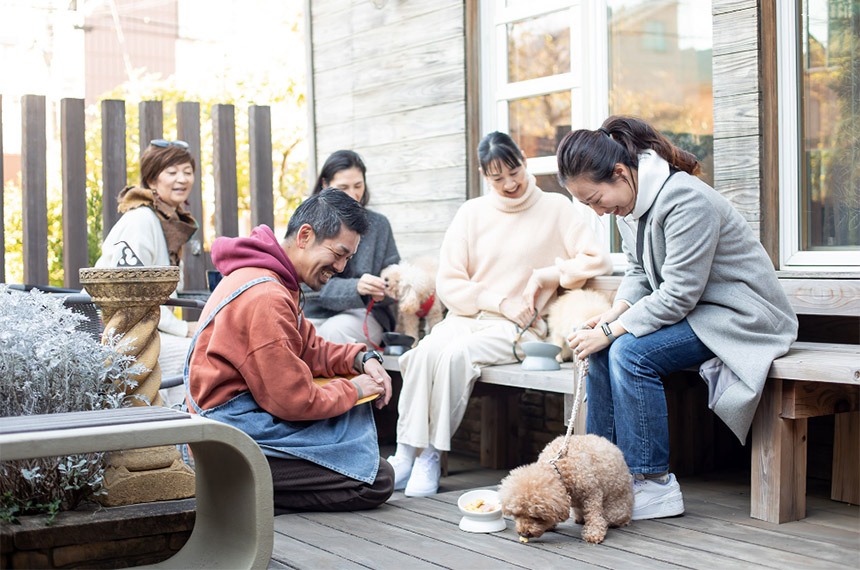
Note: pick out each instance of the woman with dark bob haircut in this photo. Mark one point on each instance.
(503, 259)
(699, 289)
(153, 228)
(339, 312)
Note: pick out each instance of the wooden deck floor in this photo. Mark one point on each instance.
(715, 532)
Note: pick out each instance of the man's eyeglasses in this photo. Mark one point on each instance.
(163, 143)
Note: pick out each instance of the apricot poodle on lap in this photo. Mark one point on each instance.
(591, 477)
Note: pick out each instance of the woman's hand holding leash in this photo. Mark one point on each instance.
(591, 336)
(518, 311)
(371, 285)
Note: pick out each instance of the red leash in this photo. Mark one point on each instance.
(426, 306)
(367, 334)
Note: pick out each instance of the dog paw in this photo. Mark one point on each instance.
(593, 534)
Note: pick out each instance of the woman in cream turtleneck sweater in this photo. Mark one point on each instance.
(503, 257)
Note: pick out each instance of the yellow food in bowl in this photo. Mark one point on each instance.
(480, 506)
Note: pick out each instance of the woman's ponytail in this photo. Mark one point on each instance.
(637, 136)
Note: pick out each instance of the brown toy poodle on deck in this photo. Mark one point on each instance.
(592, 477)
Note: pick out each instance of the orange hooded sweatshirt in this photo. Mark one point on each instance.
(260, 341)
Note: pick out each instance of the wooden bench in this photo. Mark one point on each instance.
(813, 379)
(234, 525)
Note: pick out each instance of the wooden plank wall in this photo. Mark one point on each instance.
(390, 83)
(737, 96)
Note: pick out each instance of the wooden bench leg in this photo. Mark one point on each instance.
(778, 486)
(846, 467)
(499, 441)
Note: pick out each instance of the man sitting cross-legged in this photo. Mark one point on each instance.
(254, 358)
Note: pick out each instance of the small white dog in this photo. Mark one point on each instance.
(413, 284)
(568, 312)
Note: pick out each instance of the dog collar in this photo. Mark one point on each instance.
(426, 306)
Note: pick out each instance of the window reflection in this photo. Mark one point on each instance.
(539, 123)
(660, 70)
(830, 102)
(538, 47)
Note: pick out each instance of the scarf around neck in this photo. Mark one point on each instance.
(177, 224)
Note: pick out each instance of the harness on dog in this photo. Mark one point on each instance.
(580, 371)
(425, 307)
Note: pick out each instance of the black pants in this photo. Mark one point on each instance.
(300, 485)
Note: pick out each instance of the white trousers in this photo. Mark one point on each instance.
(439, 373)
(348, 326)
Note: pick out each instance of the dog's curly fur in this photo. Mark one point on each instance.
(597, 485)
(568, 312)
(412, 283)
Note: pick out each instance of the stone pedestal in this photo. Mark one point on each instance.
(130, 299)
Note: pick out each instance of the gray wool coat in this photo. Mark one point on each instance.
(702, 261)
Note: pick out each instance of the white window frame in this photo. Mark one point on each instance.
(587, 80)
(788, 118)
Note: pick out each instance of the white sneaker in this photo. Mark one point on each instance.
(653, 500)
(425, 476)
(402, 470)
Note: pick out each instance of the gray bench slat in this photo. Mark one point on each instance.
(95, 418)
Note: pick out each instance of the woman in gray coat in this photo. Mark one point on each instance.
(699, 290)
(340, 311)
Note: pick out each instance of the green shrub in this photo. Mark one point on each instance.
(47, 366)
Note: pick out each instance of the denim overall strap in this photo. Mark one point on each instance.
(208, 320)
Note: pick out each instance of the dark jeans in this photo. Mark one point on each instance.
(300, 485)
(626, 403)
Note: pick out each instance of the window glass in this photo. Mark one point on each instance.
(539, 123)
(538, 47)
(660, 70)
(549, 183)
(830, 124)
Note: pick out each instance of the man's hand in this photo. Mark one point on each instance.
(371, 285)
(382, 381)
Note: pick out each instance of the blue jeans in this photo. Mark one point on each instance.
(626, 402)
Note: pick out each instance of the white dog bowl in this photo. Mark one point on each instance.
(472, 521)
(540, 356)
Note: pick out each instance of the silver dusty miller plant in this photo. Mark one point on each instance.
(47, 366)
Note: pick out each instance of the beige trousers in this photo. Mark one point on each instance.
(439, 373)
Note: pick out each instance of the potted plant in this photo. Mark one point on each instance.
(49, 366)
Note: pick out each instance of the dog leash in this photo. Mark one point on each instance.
(367, 334)
(580, 371)
(520, 335)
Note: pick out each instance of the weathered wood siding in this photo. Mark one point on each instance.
(737, 98)
(390, 83)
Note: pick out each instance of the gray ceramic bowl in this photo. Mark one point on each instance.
(540, 356)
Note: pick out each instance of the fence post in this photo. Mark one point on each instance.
(193, 253)
(224, 167)
(34, 189)
(74, 166)
(260, 151)
(114, 171)
(151, 123)
(2, 224)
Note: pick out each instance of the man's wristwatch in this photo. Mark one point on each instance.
(608, 332)
(371, 354)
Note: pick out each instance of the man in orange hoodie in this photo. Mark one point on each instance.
(254, 358)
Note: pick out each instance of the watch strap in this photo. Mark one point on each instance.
(608, 332)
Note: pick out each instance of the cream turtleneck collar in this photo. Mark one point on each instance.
(513, 205)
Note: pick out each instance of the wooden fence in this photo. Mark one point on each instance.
(73, 145)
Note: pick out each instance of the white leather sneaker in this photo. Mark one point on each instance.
(653, 500)
(402, 471)
(425, 476)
